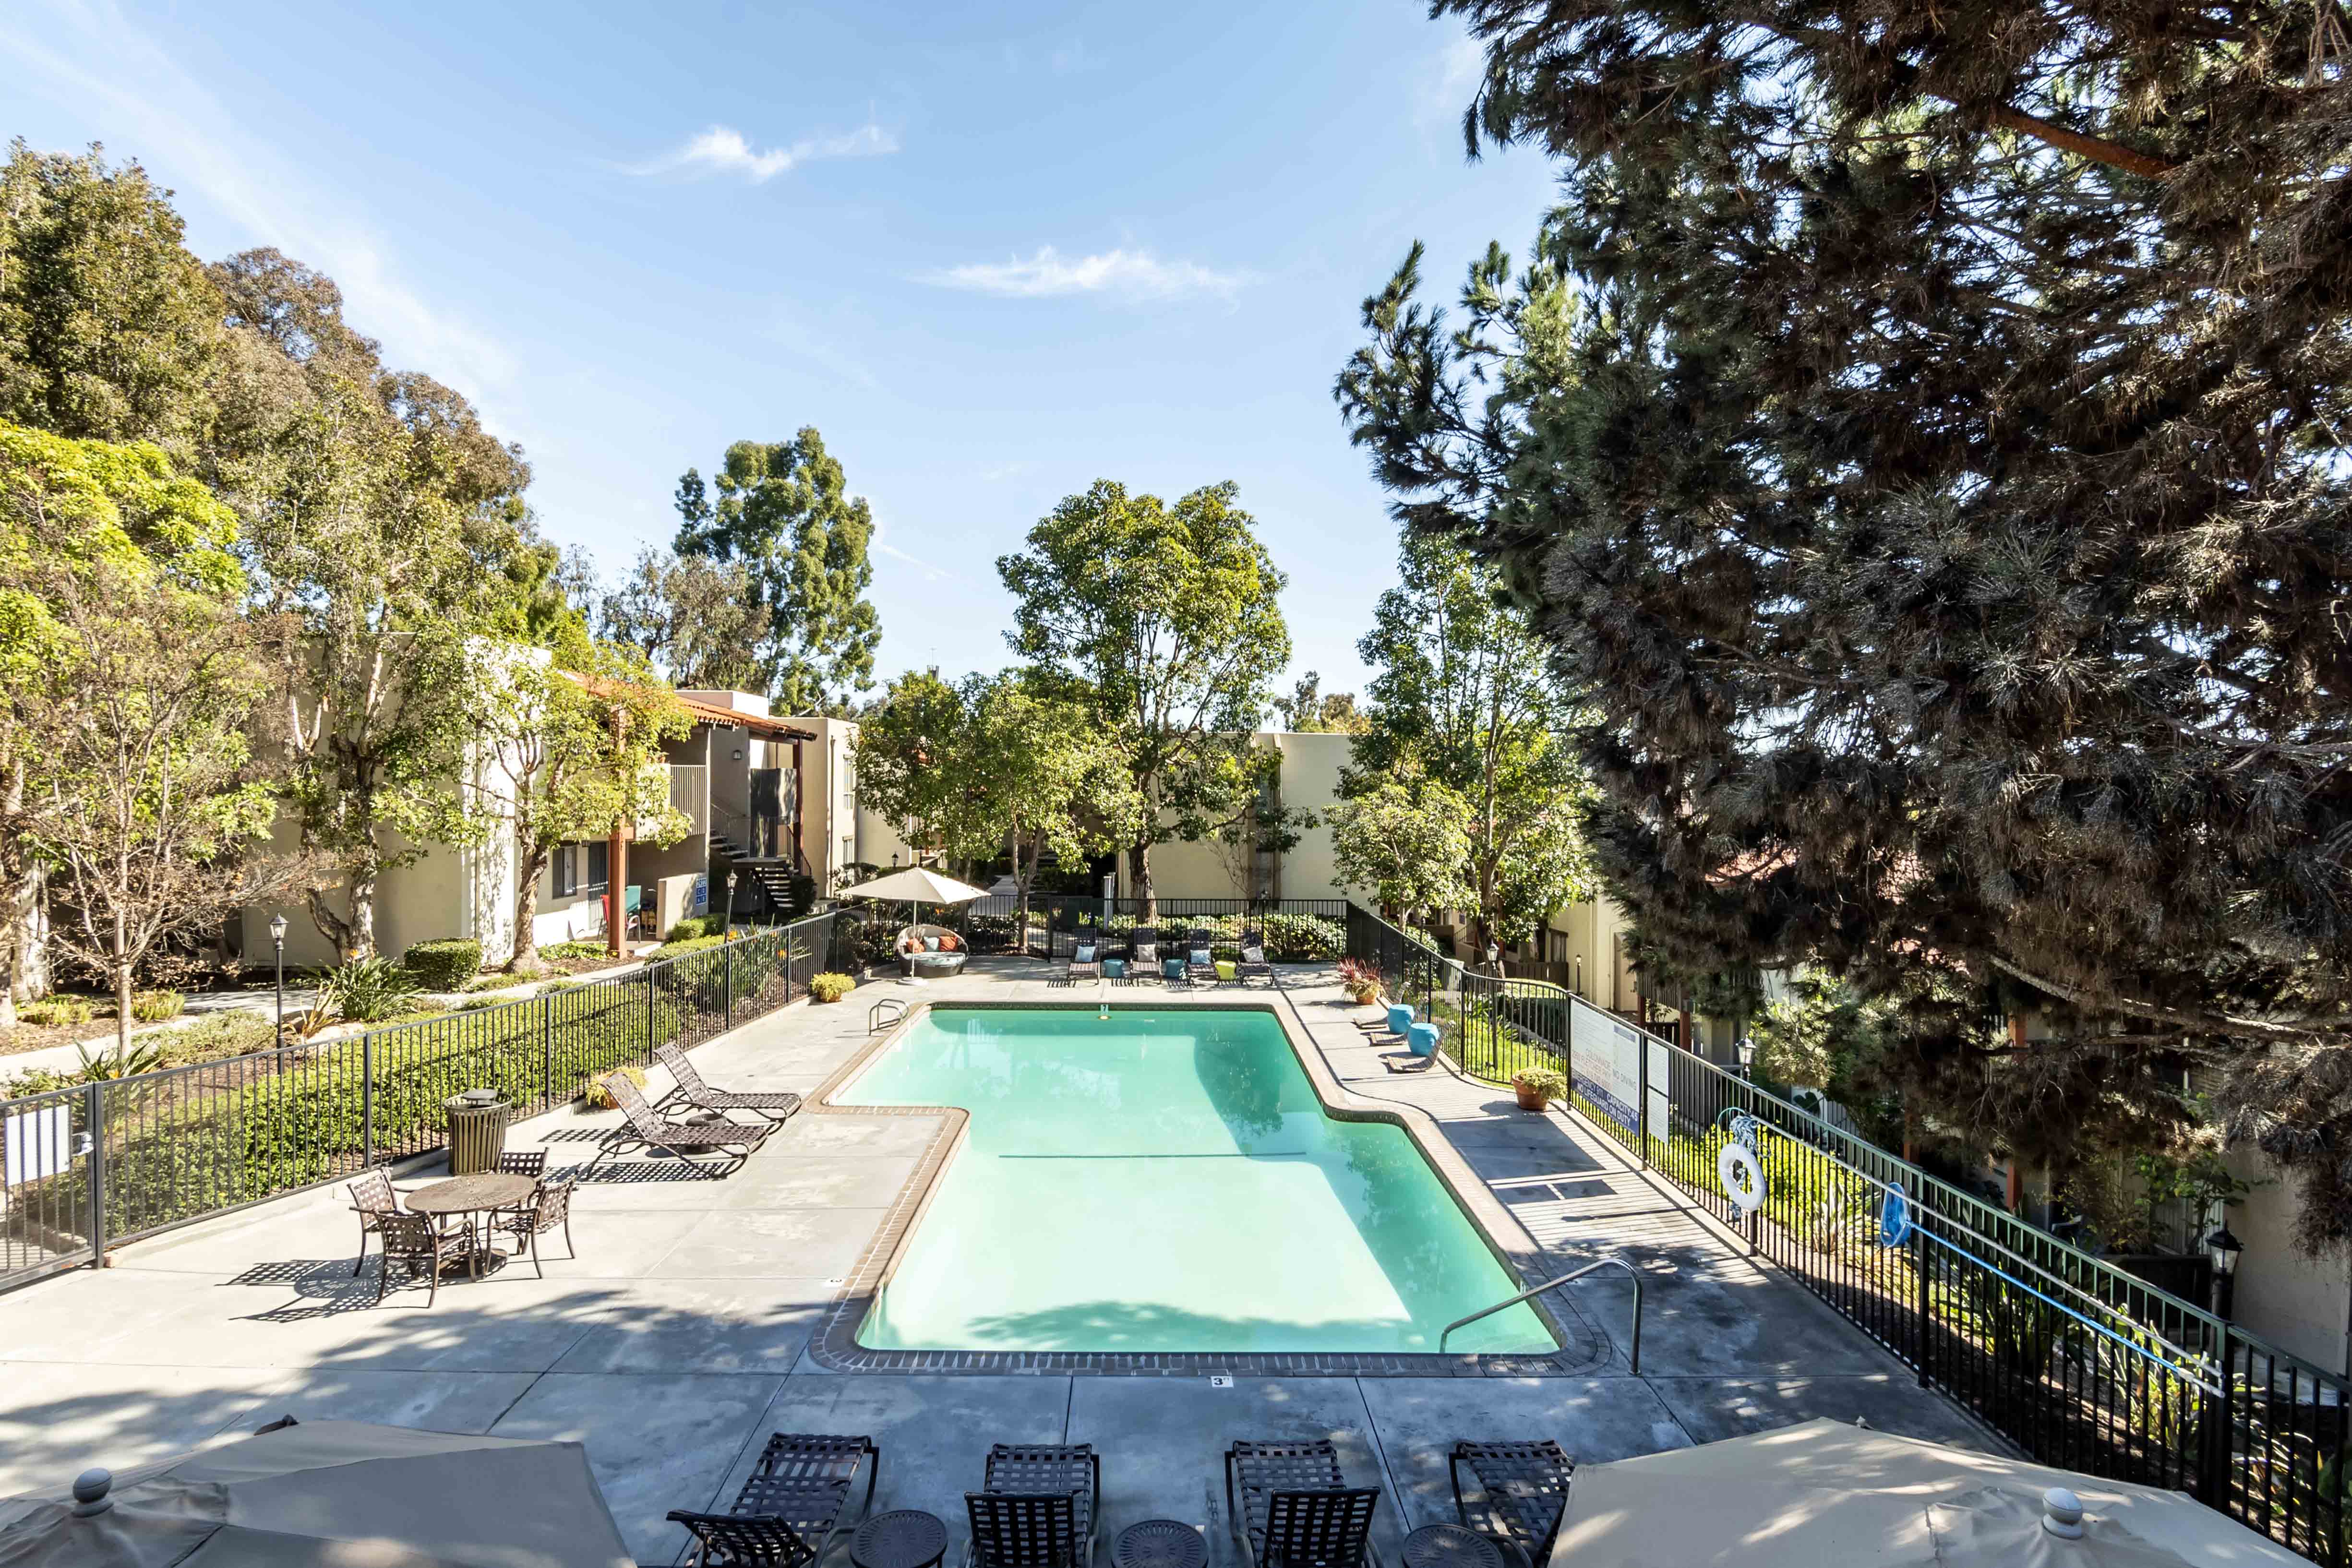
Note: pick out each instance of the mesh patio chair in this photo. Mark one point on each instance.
(372, 1200)
(792, 1506)
(550, 1206)
(648, 1128)
(1067, 1475)
(531, 1163)
(776, 1104)
(1291, 1508)
(414, 1242)
(1522, 1492)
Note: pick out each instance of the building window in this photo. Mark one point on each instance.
(600, 868)
(567, 881)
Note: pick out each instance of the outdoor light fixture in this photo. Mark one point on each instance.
(277, 941)
(738, 753)
(2223, 1249)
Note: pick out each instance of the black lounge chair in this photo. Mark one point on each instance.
(1291, 1508)
(689, 1089)
(791, 1508)
(1522, 1493)
(1039, 1507)
(1253, 964)
(1086, 958)
(1143, 954)
(1200, 957)
(648, 1128)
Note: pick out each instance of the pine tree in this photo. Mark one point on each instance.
(784, 510)
(1918, 437)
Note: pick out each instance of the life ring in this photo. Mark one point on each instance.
(1894, 1219)
(1742, 1175)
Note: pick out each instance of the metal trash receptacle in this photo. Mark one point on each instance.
(477, 1130)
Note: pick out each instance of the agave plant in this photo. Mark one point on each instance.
(368, 990)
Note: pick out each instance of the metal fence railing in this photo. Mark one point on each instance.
(2079, 1362)
(85, 1167)
(1292, 930)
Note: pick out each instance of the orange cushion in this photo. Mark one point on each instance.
(947, 943)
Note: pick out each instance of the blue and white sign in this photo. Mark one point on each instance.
(700, 903)
(1608, 1058)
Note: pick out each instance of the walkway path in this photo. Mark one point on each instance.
(673, 1345)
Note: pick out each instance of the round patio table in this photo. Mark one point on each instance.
(902, 1538)
(481, 1193)
(1159, 1543)
(1450, 1546)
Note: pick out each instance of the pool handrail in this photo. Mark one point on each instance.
(1615, 1260)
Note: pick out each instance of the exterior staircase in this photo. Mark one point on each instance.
(785, 887)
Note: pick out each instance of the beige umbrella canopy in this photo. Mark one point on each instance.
(1826, 1493)
(919, 883)
(330, 1494)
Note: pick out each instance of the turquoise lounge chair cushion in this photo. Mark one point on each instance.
(1114, 967)
(1400, 1019)
(1174, 968)
(1421, 1040)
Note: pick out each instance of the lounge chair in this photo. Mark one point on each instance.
(1143, 948)
(372, 1200)
(550, 1206)
(930, 952)
(1291, 1508)
(1085, 959)
(648, 1128)
(1200, 959)
(687, 1089)
(1038, 1509)
(1253, 964)
(791, 1508)
(1522, 1493)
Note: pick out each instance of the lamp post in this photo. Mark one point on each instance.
(2223, 1249)
(727, 903)
(277, 942)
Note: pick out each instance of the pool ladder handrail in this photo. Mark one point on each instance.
(1615, 1260)
(878, 1021)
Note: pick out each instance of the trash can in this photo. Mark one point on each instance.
(477, 1130)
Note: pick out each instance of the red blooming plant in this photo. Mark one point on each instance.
(1360, 979)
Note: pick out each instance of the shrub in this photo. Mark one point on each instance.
(155, 1007)
(565, 952)
(687, 929)
(52, 1011)
(831, 988)
(475, 1004)
(679, 946)
(445, 965)
(1304, 937)
(1545, 1081)
(601, 1097)
(368, 990)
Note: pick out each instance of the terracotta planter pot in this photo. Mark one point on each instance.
(1529, 1100)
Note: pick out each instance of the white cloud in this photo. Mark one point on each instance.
(1449, 84)
(1119, 274)
(721, 149)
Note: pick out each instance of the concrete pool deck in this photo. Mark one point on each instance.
(678, 1339)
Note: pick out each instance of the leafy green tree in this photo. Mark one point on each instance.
(782, 510)
(1407, 842)
(571, 752)
(696, 620)
(1309, 710)
(1461, 696)
(381, 523)
(1166, 619)
(1919, 440)
(108, 329)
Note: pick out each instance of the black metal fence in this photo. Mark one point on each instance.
(2076, 1360)
(1292, 930)
(84, 1168)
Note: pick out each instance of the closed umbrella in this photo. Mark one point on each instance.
(330, 1494)
(1825, 1492)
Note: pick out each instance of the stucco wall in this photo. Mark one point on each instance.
(1310, 779)
(2296, 1304)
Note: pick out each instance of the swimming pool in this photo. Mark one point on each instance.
(1167, 1181)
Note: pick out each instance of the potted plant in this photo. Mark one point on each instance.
(1360, 979)
(1537, 1087)
(830, 986)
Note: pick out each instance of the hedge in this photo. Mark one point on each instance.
(445, 965)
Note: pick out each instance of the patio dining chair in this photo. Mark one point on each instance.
(1037, 1507)
(792, 1506)
(550, 1206)
(689, 1089)
(1291, 1508)
(372, 1200)
(414, 1242)
(531, 1163)
(647, 1128)
(1522, 1492)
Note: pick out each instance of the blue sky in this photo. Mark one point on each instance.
(993, 252)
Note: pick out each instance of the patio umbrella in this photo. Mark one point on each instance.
(918, 883)
(330, 1494)
(1825, 1492)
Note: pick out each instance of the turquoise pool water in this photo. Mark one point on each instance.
(1167, 1181)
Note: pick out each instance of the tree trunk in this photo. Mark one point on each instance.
(1138, 872)
(16, 930)
(122, 966)
(530, 860)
